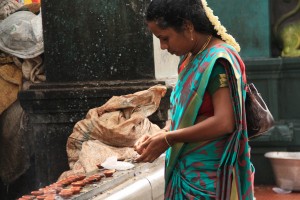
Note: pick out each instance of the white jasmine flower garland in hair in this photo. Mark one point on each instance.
(221, 30)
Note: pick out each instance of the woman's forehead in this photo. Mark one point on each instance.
(156, 30)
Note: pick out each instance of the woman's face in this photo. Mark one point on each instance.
(178, 43)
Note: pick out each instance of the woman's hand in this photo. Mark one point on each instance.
(151, 147)
(138, 145)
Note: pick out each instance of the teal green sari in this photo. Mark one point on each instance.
(218, 169)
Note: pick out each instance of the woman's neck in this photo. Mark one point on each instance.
(201, 43)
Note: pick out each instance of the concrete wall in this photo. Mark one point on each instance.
(165, 64)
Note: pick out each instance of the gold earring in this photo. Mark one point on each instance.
(192, 38)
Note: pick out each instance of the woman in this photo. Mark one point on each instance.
(207, 146)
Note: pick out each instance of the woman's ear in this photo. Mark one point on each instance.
(188, 25)
(189, 29)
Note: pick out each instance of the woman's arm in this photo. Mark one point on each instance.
(221, 123)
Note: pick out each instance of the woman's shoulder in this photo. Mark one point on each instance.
(222, 47)
(223, 50)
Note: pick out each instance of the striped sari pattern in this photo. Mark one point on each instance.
(216, 169)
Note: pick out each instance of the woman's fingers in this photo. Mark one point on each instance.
(140, 147)
(149, 154)
(152, 148)
(140, 141)
(144, 149)
(139, 150)
(141, 158)
(145, 157)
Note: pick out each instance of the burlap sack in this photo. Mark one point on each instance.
(10, 84)
(7, 7)
(114, 127)
(15, 143)
(94, 152)
(33, 70)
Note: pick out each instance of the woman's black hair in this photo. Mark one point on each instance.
(174, 13)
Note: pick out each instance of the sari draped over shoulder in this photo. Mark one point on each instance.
(217, 169)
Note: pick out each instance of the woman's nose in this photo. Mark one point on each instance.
(163, 46)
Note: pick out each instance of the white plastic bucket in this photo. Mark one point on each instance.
(286, 167)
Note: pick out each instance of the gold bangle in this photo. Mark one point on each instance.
(167, 140)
